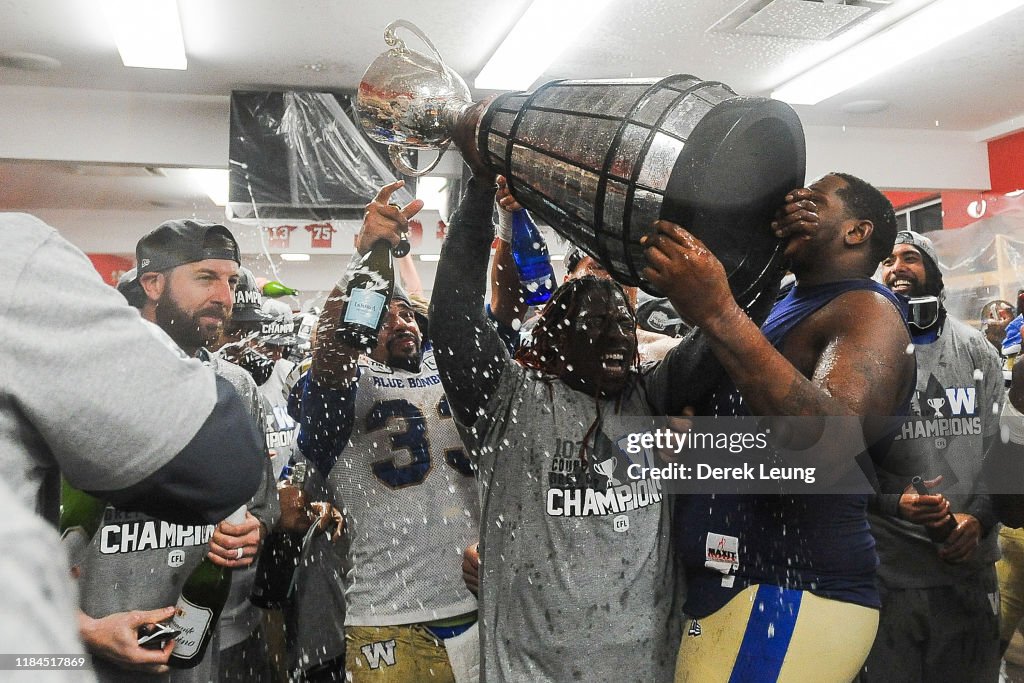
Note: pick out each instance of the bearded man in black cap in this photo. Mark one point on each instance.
(937, 551)
(187, 273)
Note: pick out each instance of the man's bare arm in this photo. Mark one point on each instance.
(471, 358)
(862, 368)
(336, 364)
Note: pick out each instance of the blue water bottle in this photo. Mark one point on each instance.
(536, 277)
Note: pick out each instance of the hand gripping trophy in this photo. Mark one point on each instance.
(601, 160)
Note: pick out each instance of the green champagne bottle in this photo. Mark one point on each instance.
(281, 552)
(275, 288)
(199, 606)
(367, 298)
(80, 517)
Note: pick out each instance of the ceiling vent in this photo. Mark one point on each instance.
(797, 19)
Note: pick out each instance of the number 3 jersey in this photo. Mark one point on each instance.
(395, 463)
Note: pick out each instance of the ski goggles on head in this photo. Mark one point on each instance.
(924, 312)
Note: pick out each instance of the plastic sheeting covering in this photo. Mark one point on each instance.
(299, 155)
(981, 262)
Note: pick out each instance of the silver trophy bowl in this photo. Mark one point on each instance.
(409, 100)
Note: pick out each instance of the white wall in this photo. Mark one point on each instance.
(103, 126)
(117, 232)
(900, 159)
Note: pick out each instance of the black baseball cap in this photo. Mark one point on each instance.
(278, 329)
(248, 307)
(130, 288)
(175, 243)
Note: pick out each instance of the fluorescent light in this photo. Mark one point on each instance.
(147, 32)
(541, 34)
(430, 257)
(213, 182)
(925, 30)
(294, 257)
(558, 257)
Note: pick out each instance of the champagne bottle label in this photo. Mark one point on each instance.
(364, 308)
(194, 621)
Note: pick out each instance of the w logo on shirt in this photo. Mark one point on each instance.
(282, 418)
(962, 400)
(382, 650)
(937, 402)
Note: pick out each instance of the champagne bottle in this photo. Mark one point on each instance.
(530, 252)
(367, 298)
(938, 534)
(80, 517)
(281, 552)
(199, 605)
(275, 288)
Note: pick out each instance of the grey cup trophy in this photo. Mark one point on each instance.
(601, 160)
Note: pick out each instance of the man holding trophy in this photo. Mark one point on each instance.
(565, 595)
(801, 596)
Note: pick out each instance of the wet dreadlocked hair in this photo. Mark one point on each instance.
(556, 319)
(554, 328)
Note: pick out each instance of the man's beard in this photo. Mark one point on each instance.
(185, 329)
(410, 363)
(914, 289)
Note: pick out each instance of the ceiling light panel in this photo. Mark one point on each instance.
(544, 31)
(928, 28)
(147, 33)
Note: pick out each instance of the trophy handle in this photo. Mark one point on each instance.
(397, 155)
(394, 41)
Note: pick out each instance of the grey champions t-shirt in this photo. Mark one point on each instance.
(570, 591)
(138, 562)
(956, 404)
